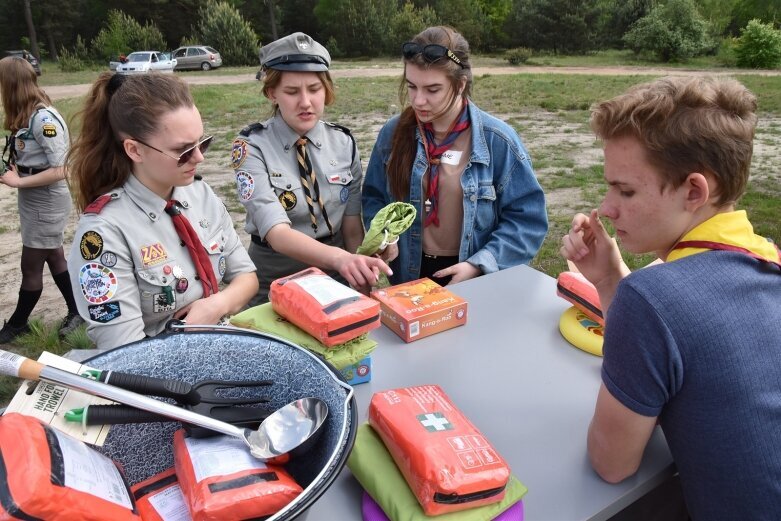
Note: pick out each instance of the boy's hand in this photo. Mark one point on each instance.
(595, 254)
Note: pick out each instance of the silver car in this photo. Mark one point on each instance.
(146, 61)
(197, 57)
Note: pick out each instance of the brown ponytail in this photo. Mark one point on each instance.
(118, 107)
(404, 146)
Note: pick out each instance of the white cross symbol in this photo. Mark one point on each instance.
(438, 423)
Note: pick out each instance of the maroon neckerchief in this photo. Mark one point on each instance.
(434, 153)
(712, 245)
(198, 254)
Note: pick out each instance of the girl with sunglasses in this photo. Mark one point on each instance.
(154, 241)
(299, 177)
(480, 207)
(33, 164)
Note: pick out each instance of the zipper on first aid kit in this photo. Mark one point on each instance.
(456, 499)
(580, 300)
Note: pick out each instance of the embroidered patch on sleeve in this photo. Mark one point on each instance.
(98, 283)
(104, 313)
(49, 130)
(245, 185)
(91, 245)
(238, 153)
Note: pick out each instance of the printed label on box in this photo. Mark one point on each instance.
(420, 308)
(49, 402)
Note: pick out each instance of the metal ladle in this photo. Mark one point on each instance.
(293, 426)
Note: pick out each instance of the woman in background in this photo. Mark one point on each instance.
(36, 168)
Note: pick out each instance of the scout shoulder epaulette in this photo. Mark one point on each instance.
(346, 131)
(249, 129)
(47, 109)
(98, 204)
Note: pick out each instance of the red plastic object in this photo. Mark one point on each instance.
(578, 291)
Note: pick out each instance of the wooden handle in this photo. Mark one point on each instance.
(12, 364)
(30, 369)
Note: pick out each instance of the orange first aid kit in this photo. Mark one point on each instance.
(420, 308)
(51, 476)
(578, 291)
(160, 498)
(222, 481)
(446, 461)
(329, 311)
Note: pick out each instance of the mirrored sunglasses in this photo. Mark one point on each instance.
(431, 52)
(184, 157)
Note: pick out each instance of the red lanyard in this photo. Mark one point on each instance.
(711, 245)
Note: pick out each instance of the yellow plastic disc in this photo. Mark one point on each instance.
(581, 331)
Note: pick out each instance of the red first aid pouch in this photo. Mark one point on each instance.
(329, 311)
(577, 290)
(160, 498)
(445, 460)
(221, 480)
(49, 475)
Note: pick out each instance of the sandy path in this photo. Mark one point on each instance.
(71, 91)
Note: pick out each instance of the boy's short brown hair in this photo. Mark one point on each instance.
(687, 124)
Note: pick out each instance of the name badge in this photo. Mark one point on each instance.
(451, 157)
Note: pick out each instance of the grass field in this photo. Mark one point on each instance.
(549, 111)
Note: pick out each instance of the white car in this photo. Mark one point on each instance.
(146, 61)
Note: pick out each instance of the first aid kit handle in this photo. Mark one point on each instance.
(15, 365)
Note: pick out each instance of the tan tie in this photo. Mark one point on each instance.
(310, 185)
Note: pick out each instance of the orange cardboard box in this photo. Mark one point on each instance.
(420, 308)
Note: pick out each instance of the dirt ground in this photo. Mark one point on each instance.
(548, 131)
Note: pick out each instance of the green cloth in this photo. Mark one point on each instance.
(374, 468)
(264, 318)
(387, 225)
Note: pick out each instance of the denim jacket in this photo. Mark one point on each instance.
(505, 220)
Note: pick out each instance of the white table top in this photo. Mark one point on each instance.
(528, 391)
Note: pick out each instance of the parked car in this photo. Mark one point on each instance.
(197, 57)
(27, 55)
(146, 61)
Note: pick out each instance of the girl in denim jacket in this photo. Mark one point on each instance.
(480, 207)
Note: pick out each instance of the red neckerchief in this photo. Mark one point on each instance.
(198, 254)
(434, 153)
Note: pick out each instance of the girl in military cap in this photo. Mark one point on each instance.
(480, 207)
(34, 164)
(300, 177)
(154, 241)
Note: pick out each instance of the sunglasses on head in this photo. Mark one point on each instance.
(184, 157)
(431, 52)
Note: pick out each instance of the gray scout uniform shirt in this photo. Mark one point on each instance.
(130, 270)
(43, 210)
(269, 183)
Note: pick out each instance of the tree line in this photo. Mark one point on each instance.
(668, 30)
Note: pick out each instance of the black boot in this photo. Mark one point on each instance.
(10, 332)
